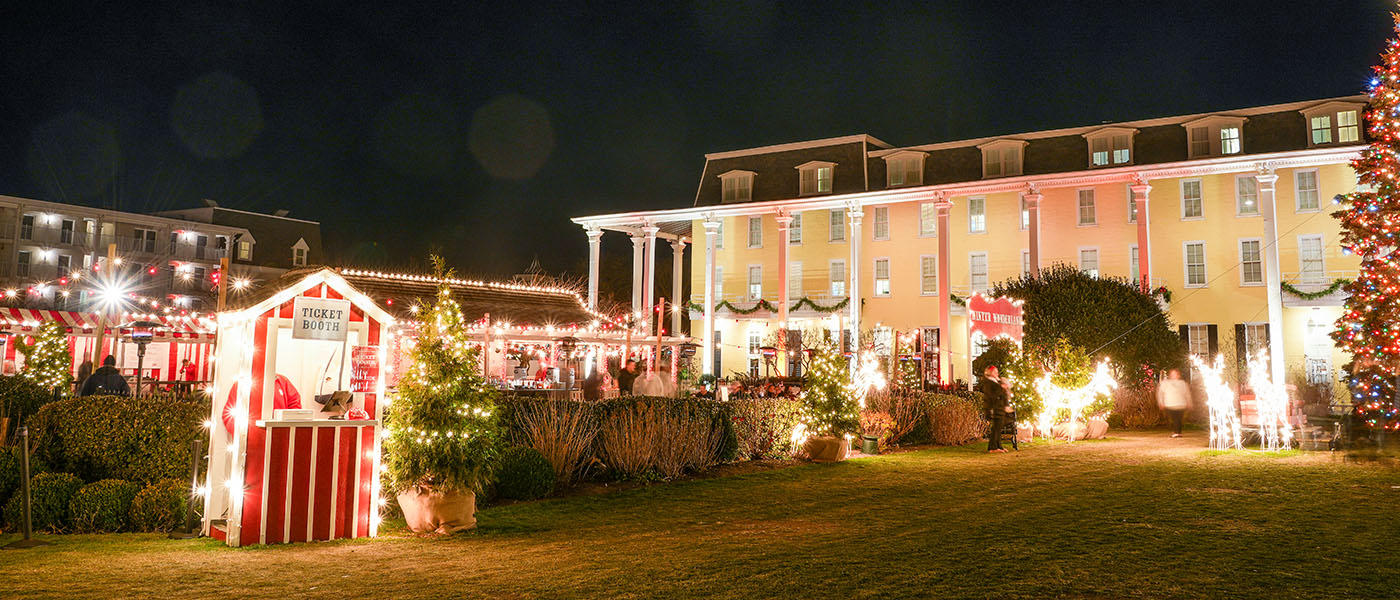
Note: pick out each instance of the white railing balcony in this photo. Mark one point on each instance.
(1315, 288)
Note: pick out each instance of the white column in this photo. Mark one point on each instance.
(1272, 279)
(945, 289)
(677, 266)
(638, 272)
(595, 239)
(708, 355)
(1144, 235)
(784, 230)
(854, 216)
(649, 293)
(1033, 199)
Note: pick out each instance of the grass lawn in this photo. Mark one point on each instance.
(1140, 516)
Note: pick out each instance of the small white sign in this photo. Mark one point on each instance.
(320, 319)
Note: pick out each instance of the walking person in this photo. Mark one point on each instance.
(1174, 397)
(188, 372)
(106, 381)
(997, 403)
(627, 377)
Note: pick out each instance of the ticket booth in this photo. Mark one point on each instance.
(297, 397)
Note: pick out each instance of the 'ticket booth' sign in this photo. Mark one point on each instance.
(320, 319)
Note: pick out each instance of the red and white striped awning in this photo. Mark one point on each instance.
(173, 326)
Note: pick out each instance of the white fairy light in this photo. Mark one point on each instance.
(1074, 400)
(1271, 400)
(1220, 399)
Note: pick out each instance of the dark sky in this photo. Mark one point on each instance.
(478, 131)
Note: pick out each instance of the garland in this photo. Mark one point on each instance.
(956, 300)
(1327, 291)
(766, 305)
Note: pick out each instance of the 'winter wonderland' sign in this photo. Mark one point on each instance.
(320, 319)
(995, 317)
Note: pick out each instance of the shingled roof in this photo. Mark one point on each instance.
(523, 305)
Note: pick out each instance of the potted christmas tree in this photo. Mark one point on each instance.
(830, 412)
(441, 448)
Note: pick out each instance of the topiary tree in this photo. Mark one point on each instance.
(47, 360)
(443, 429)
(1108, 316)
(828, 407)
(524, 474)
(102, 506)
(160, 506)
(49, 495)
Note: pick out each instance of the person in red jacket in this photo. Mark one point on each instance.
(284, 395)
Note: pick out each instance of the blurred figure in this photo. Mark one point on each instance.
(997, 402)
(189, 373)
(627, 378)
(84, 372)
(106, 381)
(1174, 397)
(593, 386)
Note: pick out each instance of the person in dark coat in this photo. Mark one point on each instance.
(593, 386)
(106, 381)
(84, 372)
(997, 403)
(626, 377)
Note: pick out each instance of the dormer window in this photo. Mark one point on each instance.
(1110, 146)
(1002, 158)
(1333, 123)
(736, 186)
(815, 177)
(1216, 135)
(904, 168)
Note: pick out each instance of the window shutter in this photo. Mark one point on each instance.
(1241, 348)
(1266, 335)
(1213, 340)
(1184, 331)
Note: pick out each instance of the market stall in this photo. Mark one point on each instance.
(301, 461)
(179, 338)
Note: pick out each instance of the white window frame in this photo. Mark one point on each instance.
(1079, 208)
(1025, 263)
(755, 234)
(750, 283)
(1320, 126)
(719, 282)
(1132, 204)
(904, 168)
(977, 221)
(1239, 253)
(925, 260)
(1134, 273)
(810, 180)
(1198, 340)
(1201, 198)
(1025, 219)
(972, 272)
(794, 280)
(1186, 264)
(1098, 261)
(880, 223)
(1253, 330)
(1212, 125)
(1321, 260)
(1239, 198)
(836, 233)
(1324, 127)
(1003, 158)
(1231, 144)
(875, 272)
(1298, 191)
(928, 219)
(736, 187)
(1115, 144)
(719, 234)
(833, 281)
(795, 230)
(244, 249)
(299, 257)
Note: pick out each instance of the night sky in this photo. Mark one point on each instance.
(478, 131)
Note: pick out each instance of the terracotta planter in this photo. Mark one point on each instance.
(429, 511)
(827, 449)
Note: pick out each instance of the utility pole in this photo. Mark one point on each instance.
(223, 281)
(110, 272)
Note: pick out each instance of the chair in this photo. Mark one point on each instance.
(1007, 429)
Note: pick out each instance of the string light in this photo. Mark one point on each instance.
(1220, 399)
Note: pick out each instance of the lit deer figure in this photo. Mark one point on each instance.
(1220, 399)
(1271, 398)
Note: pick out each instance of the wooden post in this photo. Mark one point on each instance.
(102, 314)
(656, 354)
(223, 282)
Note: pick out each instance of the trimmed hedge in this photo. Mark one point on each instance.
(20, 398)
(119, 437)
(50, 494)
(763, 426)
(102, 507)
(524, 474)
(10, 459)
(955, 419)
(160, 506)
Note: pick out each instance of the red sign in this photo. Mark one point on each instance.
(364, 368)
(999, 317)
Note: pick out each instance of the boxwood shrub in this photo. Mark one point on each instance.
(10, 466)
(117, 437)
(524, 474)
(19, 399)
(51, 493)
(160, 506)
(102, 507)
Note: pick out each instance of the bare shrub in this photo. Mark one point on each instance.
(906, 407)
(629, 437)
(954, 420)
(640, 435)
(1136, 407)
(561, 430)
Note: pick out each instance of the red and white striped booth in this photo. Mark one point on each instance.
(181, 337)
(275, 477)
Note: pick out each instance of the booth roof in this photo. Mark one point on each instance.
(398, 292)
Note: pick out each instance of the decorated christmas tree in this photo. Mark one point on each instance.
(828, 406)
(47, 361)
(1370, 326)
(443, 432)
